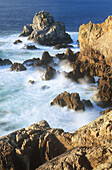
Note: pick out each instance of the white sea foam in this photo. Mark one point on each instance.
(22, 104)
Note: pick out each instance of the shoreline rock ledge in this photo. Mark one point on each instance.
(46, 31)
(45, 148)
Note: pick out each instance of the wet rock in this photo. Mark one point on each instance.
(17, 41)
(49, 74)
(46, 31)
(27, 30)
(31, 81)
(17, 67)
(31, 62)
(70, 100)
(5, 62)
(45, 87)
(45, 61)
(87, 103)
(31, 47)
(59, 46)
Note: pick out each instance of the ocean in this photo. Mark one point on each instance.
(22, 104)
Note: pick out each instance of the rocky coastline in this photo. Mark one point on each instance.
(41, 147)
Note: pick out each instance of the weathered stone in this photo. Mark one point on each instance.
(31, 47)
(59, 46)
(17, 67)
(31, 62)
(31, 81)
(70, 100)
(106, 111)
(97, 37)
(87, 103)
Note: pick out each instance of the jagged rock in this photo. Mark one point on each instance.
(87, 103)
(70, 100)
(27, 30)
(17, 67)
(97, 37)
(45, 61)
(26, 149)
(5, 62)
(59, 46)
(46, 31)
(31, 47)
(31, 61)
(49, 74)
(17, 41)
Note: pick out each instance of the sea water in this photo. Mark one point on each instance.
(21, 103)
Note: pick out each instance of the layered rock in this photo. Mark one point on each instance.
(90, 147)
(46, 31)
(70, 100)
(97, 37)
(17, 67)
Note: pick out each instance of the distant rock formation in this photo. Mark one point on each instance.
(46, 31)
(42, 147)
(5, 62)
(97, 37)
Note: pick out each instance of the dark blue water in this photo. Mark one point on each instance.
(14, 14)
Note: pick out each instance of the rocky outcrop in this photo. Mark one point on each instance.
(26, 149)
(17, 67)
(64, 45)
(45, 61)
(49, 74)
(90, 147)
(46, 31)
(70, 100)
(17, 41)
(5, 62)
(31, 62)
(97, 37)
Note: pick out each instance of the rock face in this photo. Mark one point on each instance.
(17, 41)
(90, 147)
(17, 67)
(46, 31)
(5, 62)
(70, 100)
(97, 37)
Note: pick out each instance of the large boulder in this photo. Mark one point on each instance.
(46, 31)
(17, 67)
(70, 100)
(49, 74)
(97, 37)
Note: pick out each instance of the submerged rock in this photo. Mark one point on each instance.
(31, 47)
(70, 100)
(17, 67)
(31, 61)
(5, 62)
(17, 41)
(64, 45)
(46, 31)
